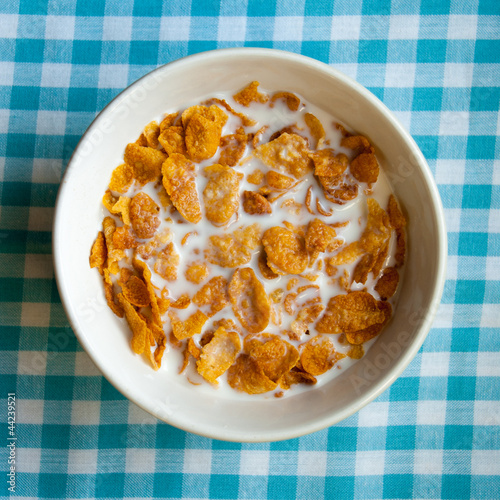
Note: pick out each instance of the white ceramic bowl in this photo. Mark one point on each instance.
(104, 336)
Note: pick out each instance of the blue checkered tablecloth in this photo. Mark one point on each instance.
(434, 434)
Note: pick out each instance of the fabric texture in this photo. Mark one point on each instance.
(434, 434)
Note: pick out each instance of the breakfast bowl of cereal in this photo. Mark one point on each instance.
(248, 245)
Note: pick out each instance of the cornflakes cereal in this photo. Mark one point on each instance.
(292, 101)
(172, 139)
(255, 204)
(250, 94)
(221, 195)
(288, 153)
(286, 252)
(233, 250)
(319, 355)
(151, 132)
(145, 162)
(179, 182)
(167, 262)
(136, 292)
(218, 355)
(233, 148)
(316, 129)
(249, 300)
(387, 284)
(196, 273)
(98, 253)
(121, 178)
(185, 329)
(144, 215)
(266, 294)
(213, 294)
(350, 313)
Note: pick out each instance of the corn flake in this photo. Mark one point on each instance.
(249, 300)
(197, 272)
(319, 355)
(218, 355)
(167, 262)
(144, 215)
(365, 168)
(255, 204)
(246, 375)
(173, 140)
(366, 334)
(232, 148)
(288, 153)
(286, 252)
(121, 178)
(99, 253)
(136, 292)
(316, 129)
(179, 182)
(221, 194)
(350, 313)
(387, 284)
(202, 137)
(213, 294)
(250, 94)
(151, 132)
(145, 162)
(185, 329)
(291, 100)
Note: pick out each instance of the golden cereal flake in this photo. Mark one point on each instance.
(146, 162)
(167, 263)
(179, 182)
(218, 355)
(286, 252)
(213, 294)
(144, 215)
(288, 153)
(250, 94)
(249, 300)
(121, 178)
(221, 194)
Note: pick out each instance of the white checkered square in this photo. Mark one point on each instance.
(56, 75)
(60, 27)
(29, 411)
(434, 364)
(4, 121)
(400, 75)
(452, 267)
(35, 314)
(86, 413)
(137, 415)
(175, 28)
(345, 28)
(288, 28)
(31, 362)
(37, 265)
(254, 462)
(348, 68)
(454, 123)
(8, 25)
(140, 460)
(487, 412)
(28, 460)
(444, 316)
(452, 218)
(494, 221)
(493, 267)
(485, 462)
(488, 364)
(311, 463)
(46, 171)
(374, 415)
(232, 28)
(84, 366)
(117, 28)
(458, 74)
(431, 412)
(496, 164)
(197, 461)
(82, 461)
(6, 73)
(428, 462)
(113, 76)
(370, 463)
(51, 122)
(40, 218)
(404, 27)
(462, 27)
(450, 172)
(404, 117)
(489, 316)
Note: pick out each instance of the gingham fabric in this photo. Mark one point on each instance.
(434, 434)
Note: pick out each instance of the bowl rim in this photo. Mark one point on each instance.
(437, 288)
